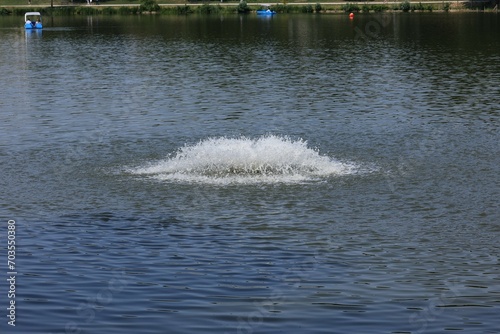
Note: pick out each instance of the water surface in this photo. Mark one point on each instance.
(237, 174)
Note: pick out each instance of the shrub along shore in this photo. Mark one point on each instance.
(65, 7)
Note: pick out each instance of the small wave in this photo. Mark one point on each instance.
(267, 159)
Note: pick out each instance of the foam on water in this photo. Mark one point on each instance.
(267, 159)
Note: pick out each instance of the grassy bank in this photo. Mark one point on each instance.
(176, 7)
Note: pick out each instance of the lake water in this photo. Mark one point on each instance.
(237, 174)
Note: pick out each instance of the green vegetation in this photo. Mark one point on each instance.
(243, 7)
(149, 6)
(297, 8)
(350, 7)
(177, 10)
(379, 8)
(421, 7)
(405, 6)
(206, 8)
(185, 7)
(307, 9)
(128, 10)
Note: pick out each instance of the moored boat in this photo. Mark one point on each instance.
(33, 20)
(265, 12)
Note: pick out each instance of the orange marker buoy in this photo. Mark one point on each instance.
(351, 16)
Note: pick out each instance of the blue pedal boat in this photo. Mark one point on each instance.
(33, 20)
(266, 11)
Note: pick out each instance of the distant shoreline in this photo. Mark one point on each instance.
(63, 7)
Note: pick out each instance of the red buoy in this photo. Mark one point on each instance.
(351, 16)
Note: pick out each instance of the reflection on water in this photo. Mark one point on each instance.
(131, 148)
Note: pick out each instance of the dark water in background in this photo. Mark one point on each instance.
(300, 174)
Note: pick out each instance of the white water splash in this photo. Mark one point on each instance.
(267, 159)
